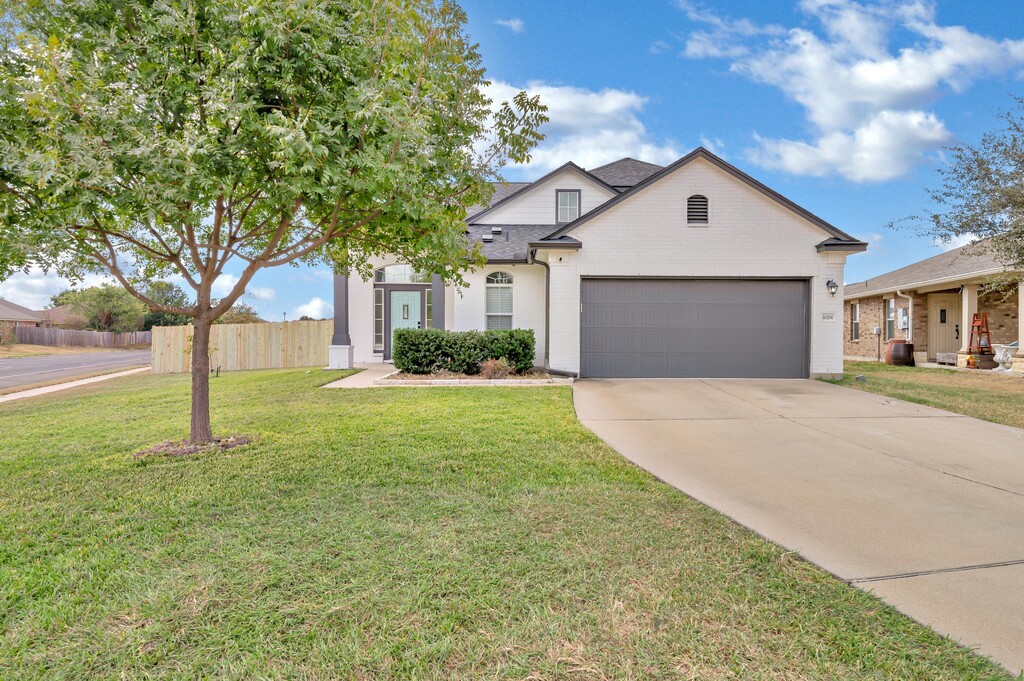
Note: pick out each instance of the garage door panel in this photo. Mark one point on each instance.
(694, 328)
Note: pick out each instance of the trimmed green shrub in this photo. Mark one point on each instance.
(425, 351)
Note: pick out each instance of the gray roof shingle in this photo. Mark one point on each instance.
(966, 262)
(513, 241)
(625, 172)
(12, 312)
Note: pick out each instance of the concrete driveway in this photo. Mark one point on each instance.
(920, 506)
(22, 371)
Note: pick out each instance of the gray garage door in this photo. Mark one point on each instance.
(694, 328)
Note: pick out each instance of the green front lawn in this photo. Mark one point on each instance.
(418, 533)
(985, 395)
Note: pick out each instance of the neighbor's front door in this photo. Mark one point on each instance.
(405, 312)
(943, 323)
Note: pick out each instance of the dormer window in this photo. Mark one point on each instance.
(567, 205)
(697, 210)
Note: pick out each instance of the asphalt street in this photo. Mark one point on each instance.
(23, 371)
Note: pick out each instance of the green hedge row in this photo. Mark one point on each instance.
(424, 351)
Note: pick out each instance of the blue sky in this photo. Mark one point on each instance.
(842, 106)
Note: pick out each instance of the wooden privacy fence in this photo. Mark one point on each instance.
(38, 335)
(235, 347)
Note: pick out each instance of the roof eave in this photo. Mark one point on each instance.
(701, 152)
(843, 246)
(967, 278)
(566, 245)
(565, 166)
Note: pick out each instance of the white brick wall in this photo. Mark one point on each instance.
(749, 235)
(464, 309)
(527, 301)
(536, 206)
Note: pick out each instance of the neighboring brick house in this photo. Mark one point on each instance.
(63, 317)
(13, 316)
(629, 270)
(931, 303)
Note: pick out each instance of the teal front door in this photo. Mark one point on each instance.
(405, 312)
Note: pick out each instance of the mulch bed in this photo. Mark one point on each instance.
(174, 448)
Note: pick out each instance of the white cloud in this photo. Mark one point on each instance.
(864, 99)
(874, 241)
(262, 293)
(954, 242)
(659, 47)
(316, 308)
(885, 147)
(589, 128)
(34, 289)
(714, 145)
(223, 284)
(515, 25)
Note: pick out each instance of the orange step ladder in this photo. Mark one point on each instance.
(981, 341)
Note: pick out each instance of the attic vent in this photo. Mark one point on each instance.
(495, 230)
(487, 238)
(697, 210)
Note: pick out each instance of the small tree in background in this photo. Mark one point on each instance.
(106, 308)
(167, 295)
(981, 196)
(241, 313)
(147, 139)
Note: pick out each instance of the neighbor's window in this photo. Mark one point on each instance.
(378, 319)
(499, 300)
(568, 201)
(855, 321)
(697, 210)
(399, 274)
(890, 318)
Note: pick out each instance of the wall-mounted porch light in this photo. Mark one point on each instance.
(832, 287)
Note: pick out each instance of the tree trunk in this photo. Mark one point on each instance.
(201, 432)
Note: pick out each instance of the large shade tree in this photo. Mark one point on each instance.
(151, 138)
(981, 195)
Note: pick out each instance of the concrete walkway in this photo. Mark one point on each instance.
(920, 506)
(46, 390)
(365, 378)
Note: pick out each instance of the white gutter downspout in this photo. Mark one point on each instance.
(910, 315)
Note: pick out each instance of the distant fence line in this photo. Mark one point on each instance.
(38, 335)
(234, 347)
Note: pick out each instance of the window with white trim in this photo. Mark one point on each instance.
(854, 321)
(890, 318)
(499, 300)
(568, 203)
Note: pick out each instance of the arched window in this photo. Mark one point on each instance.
(399, 274)
(697, 210)
(499, 300)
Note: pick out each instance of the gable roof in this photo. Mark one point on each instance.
(839, 240)
(528, 185)
(626, 172)
(966, 262)
(502, 190)
(12, 312)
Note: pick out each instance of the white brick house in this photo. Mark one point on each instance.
(631, 270)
